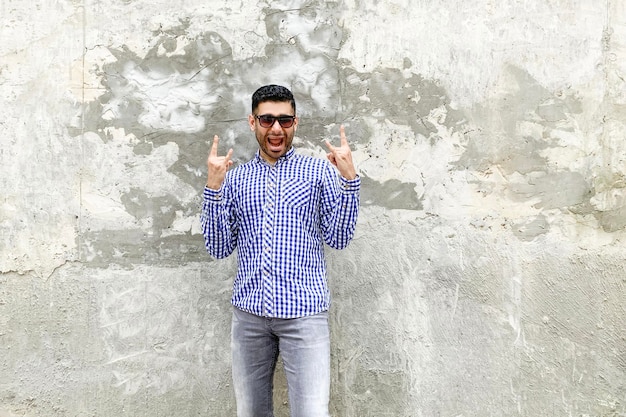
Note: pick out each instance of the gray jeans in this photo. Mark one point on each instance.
(304, 345)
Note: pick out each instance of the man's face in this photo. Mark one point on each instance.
(274, 141)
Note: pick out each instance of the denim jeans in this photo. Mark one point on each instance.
(304, 345)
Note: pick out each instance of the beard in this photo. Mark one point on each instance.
(272, 145)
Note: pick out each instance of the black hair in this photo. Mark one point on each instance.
(272, 92)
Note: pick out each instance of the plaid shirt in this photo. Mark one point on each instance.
(278, 217)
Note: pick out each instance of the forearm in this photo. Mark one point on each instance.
(218, 228)
(341, 221)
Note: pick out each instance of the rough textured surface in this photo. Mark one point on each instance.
(487, 274)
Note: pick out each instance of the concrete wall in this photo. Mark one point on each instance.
(486, 277)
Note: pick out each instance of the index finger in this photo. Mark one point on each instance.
(216, 141)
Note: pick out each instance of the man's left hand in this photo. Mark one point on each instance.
(341, 156)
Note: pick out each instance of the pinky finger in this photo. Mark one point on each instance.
(342, 133)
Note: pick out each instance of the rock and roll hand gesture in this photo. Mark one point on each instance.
(341, 156)
(217, 165)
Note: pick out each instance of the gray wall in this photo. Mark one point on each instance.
(486, 277)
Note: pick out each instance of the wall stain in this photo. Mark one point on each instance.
(185, 90)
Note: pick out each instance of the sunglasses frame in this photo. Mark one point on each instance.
(282, 120)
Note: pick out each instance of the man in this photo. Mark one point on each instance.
(278, 210)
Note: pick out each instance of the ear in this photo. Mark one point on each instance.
(251, 121)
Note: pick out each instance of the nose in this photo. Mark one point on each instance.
(276, 125)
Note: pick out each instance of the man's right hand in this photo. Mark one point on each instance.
(217, 165)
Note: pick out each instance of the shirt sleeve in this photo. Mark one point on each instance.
(340, 209)
(219, 225)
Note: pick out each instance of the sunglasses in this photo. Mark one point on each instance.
(267, 120)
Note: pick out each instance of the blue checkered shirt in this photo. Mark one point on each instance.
(279, 217)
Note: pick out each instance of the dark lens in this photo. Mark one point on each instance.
(267, 120)
(286, 121)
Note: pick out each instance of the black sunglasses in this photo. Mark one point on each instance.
(267, 120)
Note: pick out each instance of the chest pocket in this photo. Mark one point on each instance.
(296, 192)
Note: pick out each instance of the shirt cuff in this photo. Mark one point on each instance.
(213, 195)
(350, 186)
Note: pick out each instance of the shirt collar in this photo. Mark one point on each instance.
(288, 155)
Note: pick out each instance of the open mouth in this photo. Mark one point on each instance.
(275, 143)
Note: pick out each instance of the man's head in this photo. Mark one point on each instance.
(272, 92)
(273, 120)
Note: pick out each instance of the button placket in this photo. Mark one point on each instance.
(268, 236)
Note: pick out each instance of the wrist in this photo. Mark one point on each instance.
(213, 185)
(350, 175)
